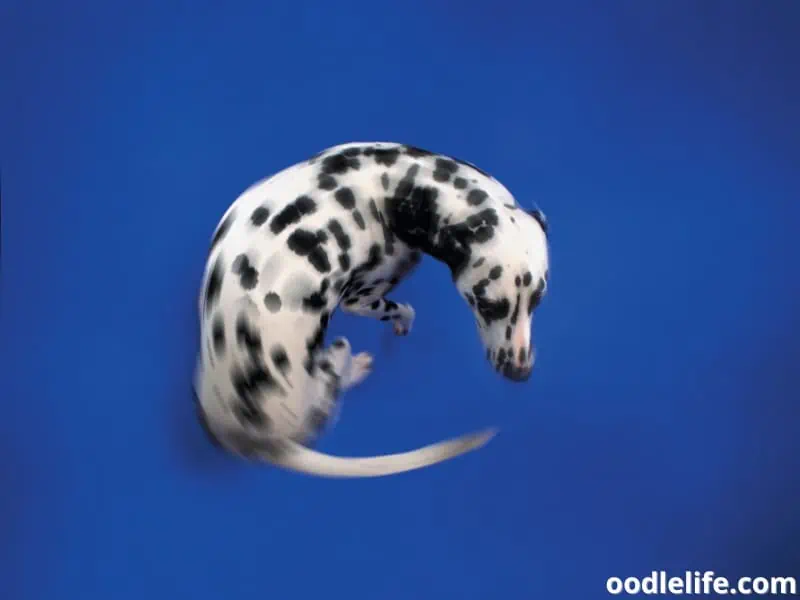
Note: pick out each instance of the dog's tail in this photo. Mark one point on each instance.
(296, 457)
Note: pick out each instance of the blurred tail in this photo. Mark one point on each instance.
(297, 457)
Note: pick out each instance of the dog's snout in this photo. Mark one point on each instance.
(516, 372)
(517, 365)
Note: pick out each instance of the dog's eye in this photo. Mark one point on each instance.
(536, 296)
(493, 310)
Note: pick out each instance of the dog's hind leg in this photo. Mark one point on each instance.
(347, 370)
(337, 371)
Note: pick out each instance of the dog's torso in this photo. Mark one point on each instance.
(338, 230)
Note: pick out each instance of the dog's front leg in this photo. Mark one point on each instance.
(383, 309)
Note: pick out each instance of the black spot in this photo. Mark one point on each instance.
(510, 206)
(222, 229)
(317, 300)
(326, 182)
(527, 278)
(515, 312)
(319, 260)
(352, 151)
(470, 299)
(248, 276)
(476, 197)
(459, 183)
(479, 262)
(386, 157)
(345, 197)
(406, 185)
(493, 310)
(517, 281)
(375, 305)
(302, 241)
(479, 289)
(373, 210)
(248, 337)
(385, 181)
(324, 319)
(373, 259)
(293, 213)
(218, 335)
(508, 333)
(344, 261)
(501, 357)
(280, 358)
(273, 302)
(259, 216)
(316, 340)
(214, 284)
(313, 344)
(342, 239)
(339, 343)
(444, 169)
(412, 214)
(522, 355)
(325, 366)
(495, 272)
(250, 383)
(477, 228)
(388, 234)
(359, 220)
(308, 243)
(339, 164)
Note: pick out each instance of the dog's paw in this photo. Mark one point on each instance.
(403, 320)
(360, 367)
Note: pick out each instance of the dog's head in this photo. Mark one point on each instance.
(503, 279)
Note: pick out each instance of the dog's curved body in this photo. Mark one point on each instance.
(340, 230)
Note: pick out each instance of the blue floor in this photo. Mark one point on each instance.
(660, 430)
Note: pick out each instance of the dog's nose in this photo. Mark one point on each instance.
(516, 372)
(519, 366)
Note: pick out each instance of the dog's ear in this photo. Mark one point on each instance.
(452, 250)
(540, 218)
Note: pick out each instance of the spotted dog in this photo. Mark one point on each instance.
(341, 230)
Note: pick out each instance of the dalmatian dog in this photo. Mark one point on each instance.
(341, 230)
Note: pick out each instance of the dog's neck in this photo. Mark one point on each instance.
(438, 205)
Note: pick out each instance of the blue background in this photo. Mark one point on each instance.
(660, 429)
